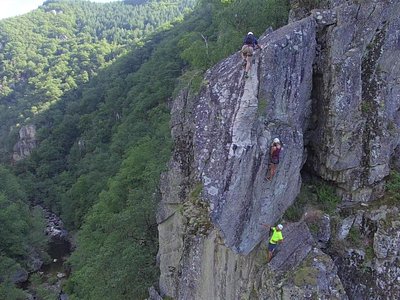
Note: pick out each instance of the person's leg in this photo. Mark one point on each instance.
(243, 53)
(243, 56)
(248, 63)
(273, 170)
(249, 57)
(271, 248)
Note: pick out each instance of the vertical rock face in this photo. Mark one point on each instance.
(27, 142)
(328, 87)
(235, 122)
(357, 97)
(226, 151)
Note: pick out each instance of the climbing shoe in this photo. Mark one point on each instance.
(246, 75)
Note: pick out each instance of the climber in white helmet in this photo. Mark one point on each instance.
(276, 148)
(275, 239)
(250, 43)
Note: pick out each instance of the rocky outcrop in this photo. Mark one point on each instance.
(225, 153)
(26, 143)
(315, 278)
(54, 226)
(19, 276)
(235, 122)
(327, 86)
(34, 261)
(356, 98)
(368, 255)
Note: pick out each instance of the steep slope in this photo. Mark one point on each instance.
(62, 45)
(231, 142)
(22, 242)
(326, 86)
(54, 79)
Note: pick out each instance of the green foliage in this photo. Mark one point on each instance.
(393, 187)
(62, 45)
(38, 286)
(120, 232)
(327, 198)
(318, 195)
(196, 192)
(21, 230)
(296, 210)
(369, 253)
(191, 80)
(221, 25)
(9, 291)
(262, 106)
(196, 213)
(308, 4)
(354, 236)
(19, 226)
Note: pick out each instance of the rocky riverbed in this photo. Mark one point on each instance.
(46, 278)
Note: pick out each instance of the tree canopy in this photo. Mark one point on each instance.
(63, 44)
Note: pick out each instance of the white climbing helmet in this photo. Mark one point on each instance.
(277, 141)
(280, 226)
(249, 33)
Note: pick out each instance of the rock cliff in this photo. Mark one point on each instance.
(327, 85)
(26, 143)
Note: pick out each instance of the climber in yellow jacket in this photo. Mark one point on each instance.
(276, 238)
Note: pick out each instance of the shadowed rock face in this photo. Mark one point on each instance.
(235, 122)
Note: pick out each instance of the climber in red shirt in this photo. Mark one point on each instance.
(276, 148)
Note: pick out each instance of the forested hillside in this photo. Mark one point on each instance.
(104, 140)
(21, 234)
(61, 45)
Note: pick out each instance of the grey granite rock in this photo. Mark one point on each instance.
(237, 119)
(295, 247)
(26, 143)
(357, 100)
(345, 227)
